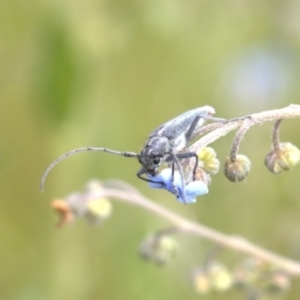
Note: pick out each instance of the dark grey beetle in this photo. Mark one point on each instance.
(167, 140)
(163, 145)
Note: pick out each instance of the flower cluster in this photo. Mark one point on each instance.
(158, 248)
(256, 276)
(163, 180)
(212, 277)
(84, 204)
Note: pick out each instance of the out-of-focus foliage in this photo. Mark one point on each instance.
(105, 73)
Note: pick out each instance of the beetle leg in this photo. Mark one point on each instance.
(189, 155)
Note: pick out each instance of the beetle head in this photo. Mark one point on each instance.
(150, 159)
(153, 153)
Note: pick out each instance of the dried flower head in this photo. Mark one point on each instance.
(66, 215)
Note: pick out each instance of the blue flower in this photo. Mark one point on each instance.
(163, 180)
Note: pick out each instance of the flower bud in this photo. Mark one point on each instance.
(278, 283)
(284, 158)
(221, 277)
(160, 249)
(214, 276)
(208, 160)
(250, 273)
(201, 281)
(98, 210)
(237, 170)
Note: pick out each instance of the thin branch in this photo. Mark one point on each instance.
(290, 112)
(238, 138)
(275, 135)
(234, 242)
(220, 129)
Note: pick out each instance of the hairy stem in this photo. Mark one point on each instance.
(275, 135)
(238, 138)
(290, 112)
(236, 243)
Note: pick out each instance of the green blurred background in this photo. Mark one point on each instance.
(105, 73)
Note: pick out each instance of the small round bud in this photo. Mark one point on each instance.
(221, 277)
(237, 170)
(201, 281)
(160, 249)
(214, 276)
(278, 283)
(272, 164)
(261, 276)
(208, 160)
(98, 210)
(250, 273)
(284, 158)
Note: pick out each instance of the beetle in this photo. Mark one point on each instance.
(163, 145)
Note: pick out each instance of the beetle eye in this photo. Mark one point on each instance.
(156, 161)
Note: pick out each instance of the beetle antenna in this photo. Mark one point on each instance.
(78, 150)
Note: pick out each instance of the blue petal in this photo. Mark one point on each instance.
(188, 199)
(158, 184)
(166, 174)
(192, 189)
(196, 188)
(164, 180)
